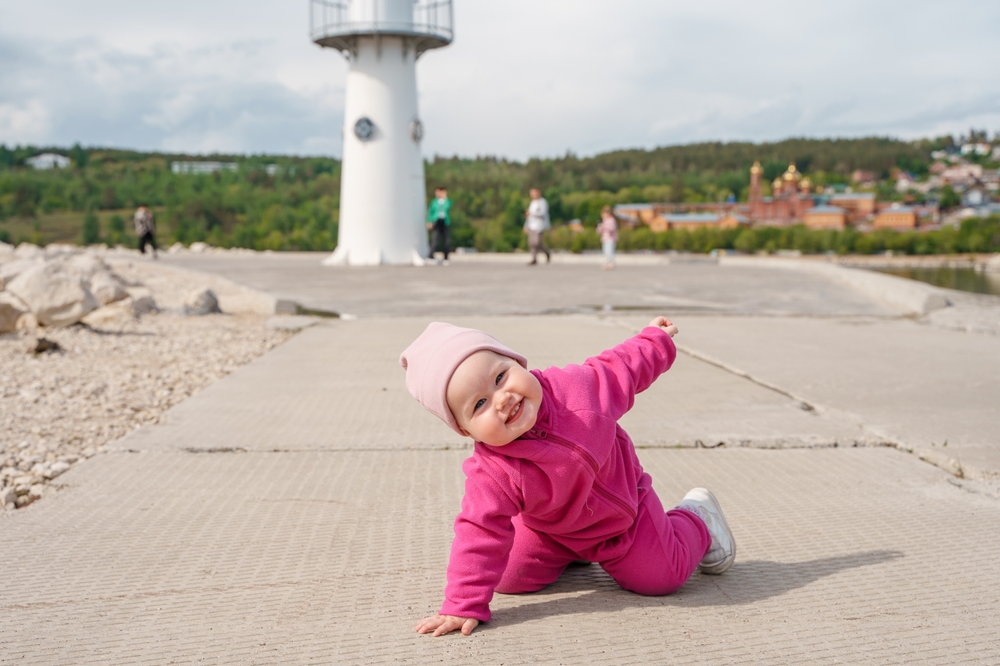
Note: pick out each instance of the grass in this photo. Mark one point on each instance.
(61, 227)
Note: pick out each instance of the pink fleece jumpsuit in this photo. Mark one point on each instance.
(572, 488)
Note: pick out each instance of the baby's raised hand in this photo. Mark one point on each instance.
(442, 624)
(666, 325)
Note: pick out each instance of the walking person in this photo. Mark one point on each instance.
(536, 221)
(608, 228)
(439, 223)
(145, 229)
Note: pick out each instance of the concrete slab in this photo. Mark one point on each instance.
(488, 286)
(915, 384)
(300, 510)
(331, 557)
(339, 386)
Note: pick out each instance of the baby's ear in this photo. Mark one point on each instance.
(465, 433)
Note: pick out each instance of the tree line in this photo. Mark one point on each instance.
(294, 204)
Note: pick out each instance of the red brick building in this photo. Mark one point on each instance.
(790, 197)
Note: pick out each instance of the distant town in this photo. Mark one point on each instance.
(953, 181)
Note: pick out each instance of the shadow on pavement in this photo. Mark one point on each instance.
(746, 583)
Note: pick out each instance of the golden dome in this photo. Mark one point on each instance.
(776, 185)
(805, 182)
(756, 168)
(792, 173)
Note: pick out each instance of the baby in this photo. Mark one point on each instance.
(553, 478)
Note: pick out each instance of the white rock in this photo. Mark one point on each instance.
(6, 252)
(60, 249)
(143, 305)
(24, 481)
(27, 323)
(11, 309)
(175, 248)
(107, 288)
(12, 269)
(198, 247)
(57, 468)
(84, 265)
(114, 314)
(55, 297)
(201, 302)
(120, 312)
(36, 490)
(29, 251)
(8, 496)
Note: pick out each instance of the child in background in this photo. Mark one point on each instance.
(608, 228)
(553, 478)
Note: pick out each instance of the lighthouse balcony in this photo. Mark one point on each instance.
(424, 24)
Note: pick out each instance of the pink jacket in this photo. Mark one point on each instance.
(608, 228)
(574, 476)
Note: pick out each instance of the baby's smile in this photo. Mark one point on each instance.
(516, 412)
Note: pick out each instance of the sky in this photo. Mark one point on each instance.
(523, 78)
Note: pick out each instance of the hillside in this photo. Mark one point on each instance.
(281, 202)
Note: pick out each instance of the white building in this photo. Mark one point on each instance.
(382, 189)
(48, 161)
(977, 148)
(202, 167)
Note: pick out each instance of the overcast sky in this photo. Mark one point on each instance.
(523, 77)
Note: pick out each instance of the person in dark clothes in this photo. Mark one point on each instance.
(439, 222)
(145, 229)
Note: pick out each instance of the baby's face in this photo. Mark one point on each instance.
(494, 400)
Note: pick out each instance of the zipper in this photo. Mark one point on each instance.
(585, 454)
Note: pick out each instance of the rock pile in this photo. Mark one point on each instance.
(122, 365)
(55, 287)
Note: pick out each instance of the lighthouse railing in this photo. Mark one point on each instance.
(330, 20)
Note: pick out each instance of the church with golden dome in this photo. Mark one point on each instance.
(790, 200)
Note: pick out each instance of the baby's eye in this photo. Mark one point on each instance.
(500, 377)
(482, 401)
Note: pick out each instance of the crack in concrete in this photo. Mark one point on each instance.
(950, 465)
(802, 403)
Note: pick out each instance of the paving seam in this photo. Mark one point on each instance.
(935, 458)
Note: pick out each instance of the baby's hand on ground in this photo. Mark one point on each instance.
(442, 624)
(666, 325)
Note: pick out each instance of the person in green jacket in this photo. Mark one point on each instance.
(439, 222)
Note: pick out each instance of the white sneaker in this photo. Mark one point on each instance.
(722, 553)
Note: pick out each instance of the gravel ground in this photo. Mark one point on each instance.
(59, 407)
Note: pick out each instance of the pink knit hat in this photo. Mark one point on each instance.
(433, 357)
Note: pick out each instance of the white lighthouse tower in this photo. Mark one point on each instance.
(382, 175)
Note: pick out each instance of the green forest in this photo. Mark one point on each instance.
(291, 203)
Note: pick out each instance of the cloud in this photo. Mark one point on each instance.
(523, 77)
(207, 99)
(26, 121)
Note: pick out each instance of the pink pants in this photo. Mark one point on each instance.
(657, 554)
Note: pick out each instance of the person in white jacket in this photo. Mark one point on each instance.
(536, 221)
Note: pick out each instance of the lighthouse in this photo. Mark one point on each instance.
(382, 190)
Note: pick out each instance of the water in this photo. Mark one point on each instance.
(963, 279)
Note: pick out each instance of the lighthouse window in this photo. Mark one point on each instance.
(364, 129)
(417, 131)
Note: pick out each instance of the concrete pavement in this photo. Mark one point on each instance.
(300, 510)
(875, 376)
(477, 284)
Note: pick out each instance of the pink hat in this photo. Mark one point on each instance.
(433, 357)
